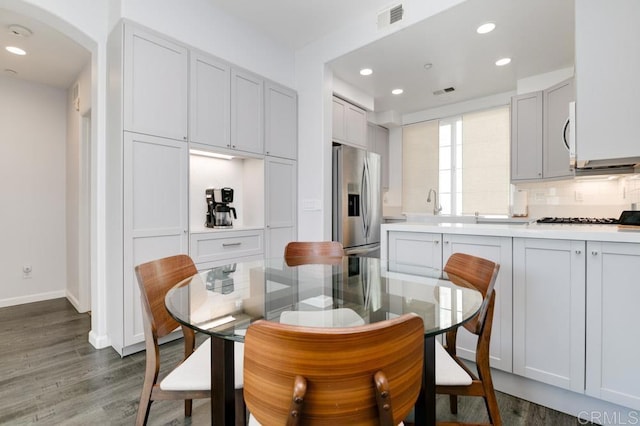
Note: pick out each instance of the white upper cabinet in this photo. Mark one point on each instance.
(540, 133)
(155, 85)
(349, 124)
(247, 111)
(281, 121)
(210, 113)
(555, 142)
(607, 85)
(526, 136)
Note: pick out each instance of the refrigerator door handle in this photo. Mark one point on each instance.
(365, 199)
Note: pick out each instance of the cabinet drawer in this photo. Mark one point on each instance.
(210, 247)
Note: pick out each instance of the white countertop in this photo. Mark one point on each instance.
(529, 230)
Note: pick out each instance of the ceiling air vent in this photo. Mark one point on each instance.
(443, 91)
(390, 16)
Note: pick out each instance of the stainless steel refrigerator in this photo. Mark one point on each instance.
(357, 202)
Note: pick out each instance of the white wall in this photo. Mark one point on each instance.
(314, 86)
(32, 184)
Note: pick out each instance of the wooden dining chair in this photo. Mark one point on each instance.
(453, 377)
(191, 379)
(306, 252)
(365, 375)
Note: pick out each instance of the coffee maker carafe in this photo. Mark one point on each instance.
(219, 213)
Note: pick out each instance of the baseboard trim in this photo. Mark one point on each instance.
(13, 301)
(99, 341)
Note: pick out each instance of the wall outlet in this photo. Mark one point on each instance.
(26, 271)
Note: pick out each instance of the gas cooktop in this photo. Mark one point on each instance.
(580, 220)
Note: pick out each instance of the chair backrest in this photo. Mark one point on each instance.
(466, 270)
(329, 373)
(303, 252)
(155, 279)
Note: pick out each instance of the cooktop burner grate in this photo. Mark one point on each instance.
(580, 220)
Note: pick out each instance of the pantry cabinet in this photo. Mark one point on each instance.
(613, 349)
(549, 311)
(281, 204)
(155, 84)
(210, 100)
(281, 121)
(247, 111)
(156, 222)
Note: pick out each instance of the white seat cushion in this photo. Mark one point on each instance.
(448, 372)
(341, 317)
(195, 372)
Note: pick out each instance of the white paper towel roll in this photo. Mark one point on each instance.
(519, 207)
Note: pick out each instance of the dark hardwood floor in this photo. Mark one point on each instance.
(51, 375)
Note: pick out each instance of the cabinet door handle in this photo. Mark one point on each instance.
(595, 253)
(446, 242)
(436, 242)
(230, 244)
(578, 251)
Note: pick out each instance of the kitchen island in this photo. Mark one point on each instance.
(566, 297)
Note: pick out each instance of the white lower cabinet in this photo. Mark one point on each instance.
(549, 311)
(417, 253)
(210, 249)
(613, 346)
(496, 249)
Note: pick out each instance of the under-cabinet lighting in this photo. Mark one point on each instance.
(210, 154)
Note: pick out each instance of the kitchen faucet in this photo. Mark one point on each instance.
(437, 208)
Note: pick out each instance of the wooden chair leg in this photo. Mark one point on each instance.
(453, 404)
(145, 405)
(241, 409)
(188, 406)
(490, 400)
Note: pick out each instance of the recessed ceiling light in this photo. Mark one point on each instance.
(366, 71)
(428, 65)
(397, 91)
(486, 28)
(502, 62)
(15, 50)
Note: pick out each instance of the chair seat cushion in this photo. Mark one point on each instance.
(195, 372)
(254, 422)
(448, 371)
(340, 317)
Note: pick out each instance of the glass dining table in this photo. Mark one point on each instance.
(342, 292)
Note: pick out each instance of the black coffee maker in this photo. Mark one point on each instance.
(218, 210)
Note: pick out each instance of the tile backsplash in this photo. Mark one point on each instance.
(582, 197)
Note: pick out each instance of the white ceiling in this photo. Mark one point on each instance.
(536, 34)
(52, 58)
(296, 23)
